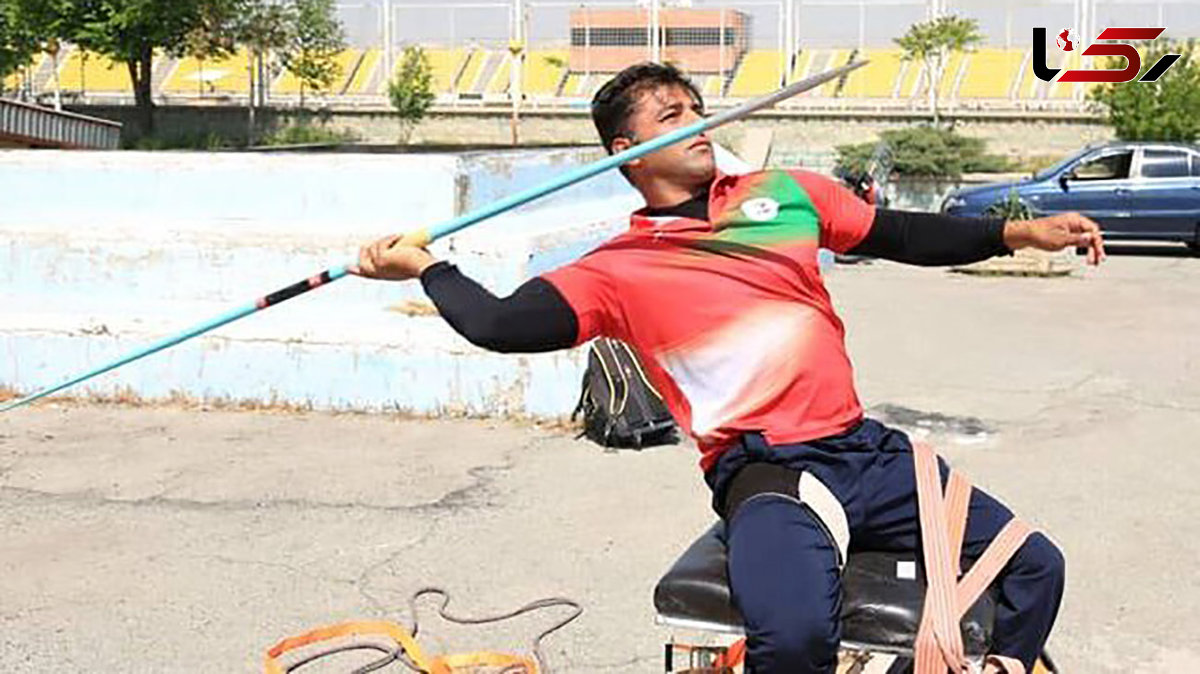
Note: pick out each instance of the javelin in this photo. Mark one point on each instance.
(425, 236)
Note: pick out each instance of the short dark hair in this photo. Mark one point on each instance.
(614, 102)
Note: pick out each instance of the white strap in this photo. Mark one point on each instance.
(818, 497)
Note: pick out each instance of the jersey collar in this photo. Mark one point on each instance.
(639, 222)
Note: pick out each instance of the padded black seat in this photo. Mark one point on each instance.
(879, 610)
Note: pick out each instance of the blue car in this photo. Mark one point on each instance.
(1135, 191)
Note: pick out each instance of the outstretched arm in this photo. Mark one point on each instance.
(933, 239)
(534, 318)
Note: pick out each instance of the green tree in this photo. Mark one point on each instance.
(47, 25)
(925, 151)
(130, 31)
(16, 52)
(311, 53)
(264, 27)
(932, 43)
(1165, 109)
(411, 91)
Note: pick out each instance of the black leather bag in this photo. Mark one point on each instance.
(620, 407)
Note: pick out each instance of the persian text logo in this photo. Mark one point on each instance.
(1066, 41)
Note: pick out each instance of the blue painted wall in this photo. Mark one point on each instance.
(103, 252)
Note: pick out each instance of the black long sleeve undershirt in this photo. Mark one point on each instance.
(537, 318)
(534, 318)
(932, 239)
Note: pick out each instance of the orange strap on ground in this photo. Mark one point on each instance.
(355, 628)
(439, 665)
(467, 661)
(943, 523)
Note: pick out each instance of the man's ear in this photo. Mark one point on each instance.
(622, 143)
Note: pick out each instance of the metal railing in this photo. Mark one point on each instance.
(35, 126)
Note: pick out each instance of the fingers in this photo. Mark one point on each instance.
(365, 266)
(1096, 252)
(1089, 236)
(1084, 233)
(371, 256)
(390, 258)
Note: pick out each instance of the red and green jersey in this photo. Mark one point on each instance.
(731, 315)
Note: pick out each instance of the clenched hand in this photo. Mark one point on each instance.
(391, 260)
(1055, 232)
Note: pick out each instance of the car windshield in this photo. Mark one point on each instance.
(1055, 168)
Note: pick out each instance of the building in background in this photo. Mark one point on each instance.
(697, 40)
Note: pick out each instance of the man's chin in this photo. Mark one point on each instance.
(705, 172)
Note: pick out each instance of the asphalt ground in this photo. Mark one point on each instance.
(158, 539)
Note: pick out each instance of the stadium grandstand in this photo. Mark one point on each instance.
(557, 52)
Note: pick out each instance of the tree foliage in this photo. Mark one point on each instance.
(304, 35)
(925, 151)
(932, 42)
(1165, 109)
(411, 91)
(15, 49)
(30, 27)
(131, 31)
(312, 47)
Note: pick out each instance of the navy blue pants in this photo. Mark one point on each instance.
(783, 569)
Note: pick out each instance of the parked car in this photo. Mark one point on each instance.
(1134, 190)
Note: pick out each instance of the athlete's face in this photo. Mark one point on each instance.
(688, 163)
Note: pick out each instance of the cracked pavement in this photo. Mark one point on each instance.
(172, 540)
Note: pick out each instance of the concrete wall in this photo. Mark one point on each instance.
(799, 138)
(103, 253)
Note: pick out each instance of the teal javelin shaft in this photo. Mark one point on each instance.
(455, 224)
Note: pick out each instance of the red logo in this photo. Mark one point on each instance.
(1133, 60)
(1065, 42)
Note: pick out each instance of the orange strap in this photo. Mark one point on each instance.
(438, 665)
(943, 522)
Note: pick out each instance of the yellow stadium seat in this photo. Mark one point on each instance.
(802, 64)
(878, 78)
(361, 78)
(990, 73)
(444, 64)
(13, 81)
(1029, 85)
(471, 70)
(290, 84)
(1034, 88)
(910, 78)
(542, 71)
(950, 75)
(224, 75)
(837, 58)
(501, 78)
(712, 85)
(757, 74)
(572, 85)
(84, 71)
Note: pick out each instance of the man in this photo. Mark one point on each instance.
(717, 286)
